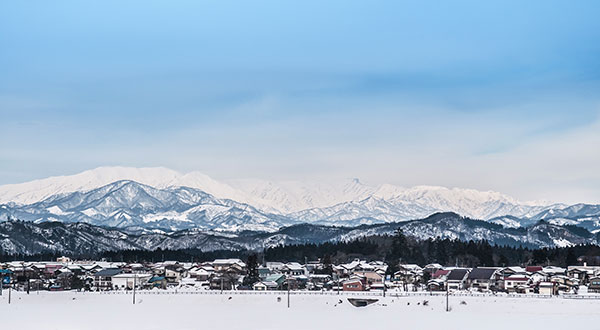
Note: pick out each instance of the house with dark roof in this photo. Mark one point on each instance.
(457, 279)
(484, 278)
(103, 278)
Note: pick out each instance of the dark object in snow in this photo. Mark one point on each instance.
(278, 299)
(359, 302)
(463, 302)
(425, 302)
(340, 301)
(408, 303)
(73, 298)
(229, 298)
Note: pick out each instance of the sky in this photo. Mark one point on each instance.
(491, 95)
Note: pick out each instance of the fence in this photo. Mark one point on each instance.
(353, 293)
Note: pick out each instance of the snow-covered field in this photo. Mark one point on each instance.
(72, 310)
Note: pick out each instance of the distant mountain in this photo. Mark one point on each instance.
(128, 204)
(157, 177)
(163, 200)
(80, 238)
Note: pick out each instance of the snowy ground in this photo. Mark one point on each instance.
(71, 310)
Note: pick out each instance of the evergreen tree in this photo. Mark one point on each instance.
(252, 266)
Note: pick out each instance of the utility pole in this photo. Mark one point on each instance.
(447, 293)
(134, 284)
(288, 293)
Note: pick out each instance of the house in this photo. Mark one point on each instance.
(408, 273)
(50, 270)
(265, 285)
(360, 265)
(547, 288)
(436, 284)
(594, 284)
(517, 283)
(293, 268)
(274, 266)
(318, 281)
(431, 269)
(222, 282)
(440, 273)
(277, 279)
(172, 276)
(353, 285)
(483, 278)
(157, 282)
(259, 286)
(224, 265)
(314, 266)
(554, 271)
(263, 272)
(200, 273)
(103, 278)
(507, 271)
(63, 259)
(372, 277)
(583, 273)
(457, 279)
(126, 281)
(534, 269)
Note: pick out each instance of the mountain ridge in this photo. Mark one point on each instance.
(296, 198)
(23, 237)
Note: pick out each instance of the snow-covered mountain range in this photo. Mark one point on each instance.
(22, 237)
(163, 199)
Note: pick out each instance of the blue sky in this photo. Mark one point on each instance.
(493, 95)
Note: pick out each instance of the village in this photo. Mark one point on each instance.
(234, 274)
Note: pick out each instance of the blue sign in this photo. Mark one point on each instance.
(6, 280)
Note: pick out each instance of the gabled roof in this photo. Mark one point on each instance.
(108, 272)
(482, 273)
(439, 273)
(156, 279)
(533, 269)
(274, 277)
(434, 265)
(515, 269)
(457, 274)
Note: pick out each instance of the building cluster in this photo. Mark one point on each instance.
(549, 280)
(233, 274)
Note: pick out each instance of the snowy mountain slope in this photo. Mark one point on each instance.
(80, 238)
(420, 202)
(157, 177)
(342, 202)
(293, 196)
(125, 204)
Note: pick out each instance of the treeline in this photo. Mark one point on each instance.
(399, 248)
